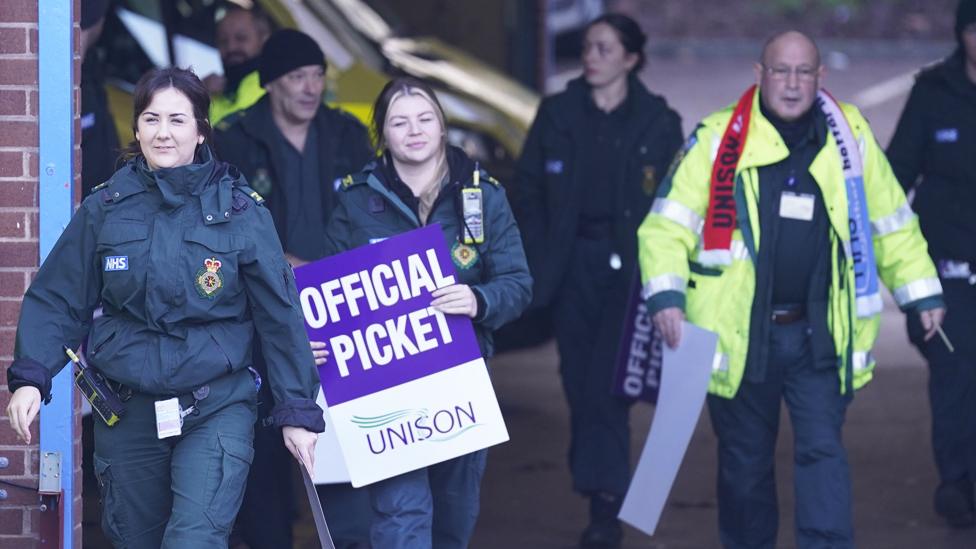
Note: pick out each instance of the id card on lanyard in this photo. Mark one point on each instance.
(473, 212)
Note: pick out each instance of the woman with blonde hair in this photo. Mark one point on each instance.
(416, 182)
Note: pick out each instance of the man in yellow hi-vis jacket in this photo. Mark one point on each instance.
(773, 229)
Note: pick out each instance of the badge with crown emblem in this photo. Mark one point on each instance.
(209, 279)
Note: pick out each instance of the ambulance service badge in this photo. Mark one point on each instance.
(464, 256)
(210, 280)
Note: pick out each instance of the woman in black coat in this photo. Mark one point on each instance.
(586, 178)
(932, 153)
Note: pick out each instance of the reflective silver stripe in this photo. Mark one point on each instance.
(663, 283)
(679, 213)
(869, 305)
(861, 360)
(916, 290)
(891, 223)
(720, 363)
(738, 251)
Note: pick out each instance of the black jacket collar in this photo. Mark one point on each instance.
(951, 73)
(570, 105)
(260, 125)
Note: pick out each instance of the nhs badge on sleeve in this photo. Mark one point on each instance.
(116, 263)
(947, 135)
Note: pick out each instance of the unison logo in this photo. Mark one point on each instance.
(402, 428)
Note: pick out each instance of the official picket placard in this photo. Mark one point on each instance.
(638, 370)
(406, 385)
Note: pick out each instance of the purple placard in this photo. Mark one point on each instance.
(390, 269)
(638, 366)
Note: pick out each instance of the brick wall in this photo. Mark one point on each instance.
(19, 512)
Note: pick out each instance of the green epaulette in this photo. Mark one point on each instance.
(483, 176)
(250, 193)
(353, 179)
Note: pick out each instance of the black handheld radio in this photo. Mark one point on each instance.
(96, 391)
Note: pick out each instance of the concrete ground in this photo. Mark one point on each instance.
(527, 501)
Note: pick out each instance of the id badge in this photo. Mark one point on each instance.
(169, 423)
(796, 206)
(472, 208)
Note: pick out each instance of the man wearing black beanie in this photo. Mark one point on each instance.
(294, 151)
(932, 152)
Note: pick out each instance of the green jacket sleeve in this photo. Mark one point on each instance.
(57, 308)
(669, 235)
(337, 237)
(507, 289)
(273, 300)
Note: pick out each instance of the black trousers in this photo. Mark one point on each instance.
(952, 384)
(599, 453)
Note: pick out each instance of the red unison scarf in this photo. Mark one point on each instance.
(721, 219)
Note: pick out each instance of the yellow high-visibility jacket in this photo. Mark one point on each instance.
(248, 92)
(720, 299)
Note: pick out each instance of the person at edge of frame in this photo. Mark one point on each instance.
(293, 150)
(586, 176)
(99, 140)
(183, 258)
(932, 153)
(774, 230)
(417, 182)
(241, 33)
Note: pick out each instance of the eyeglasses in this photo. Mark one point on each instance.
(803, 74)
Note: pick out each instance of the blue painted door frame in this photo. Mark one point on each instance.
(56, 121)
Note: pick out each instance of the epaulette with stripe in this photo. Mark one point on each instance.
(240, 203)
(353, 179)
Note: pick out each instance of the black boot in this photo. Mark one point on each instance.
(955, 502)
(604, 530)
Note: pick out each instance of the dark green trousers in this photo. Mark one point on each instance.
(181, 491)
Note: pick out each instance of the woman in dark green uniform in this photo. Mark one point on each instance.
(586, 178)
(186, 266)
(417, 182)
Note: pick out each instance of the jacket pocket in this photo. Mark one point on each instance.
(123, 250)
(223, 353)
(101, 341)
(702, 270)
(227, 479)
(704, 297)
(113, 513)
(210, 258)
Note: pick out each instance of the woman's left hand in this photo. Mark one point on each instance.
(301, 443)
(457, 299)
